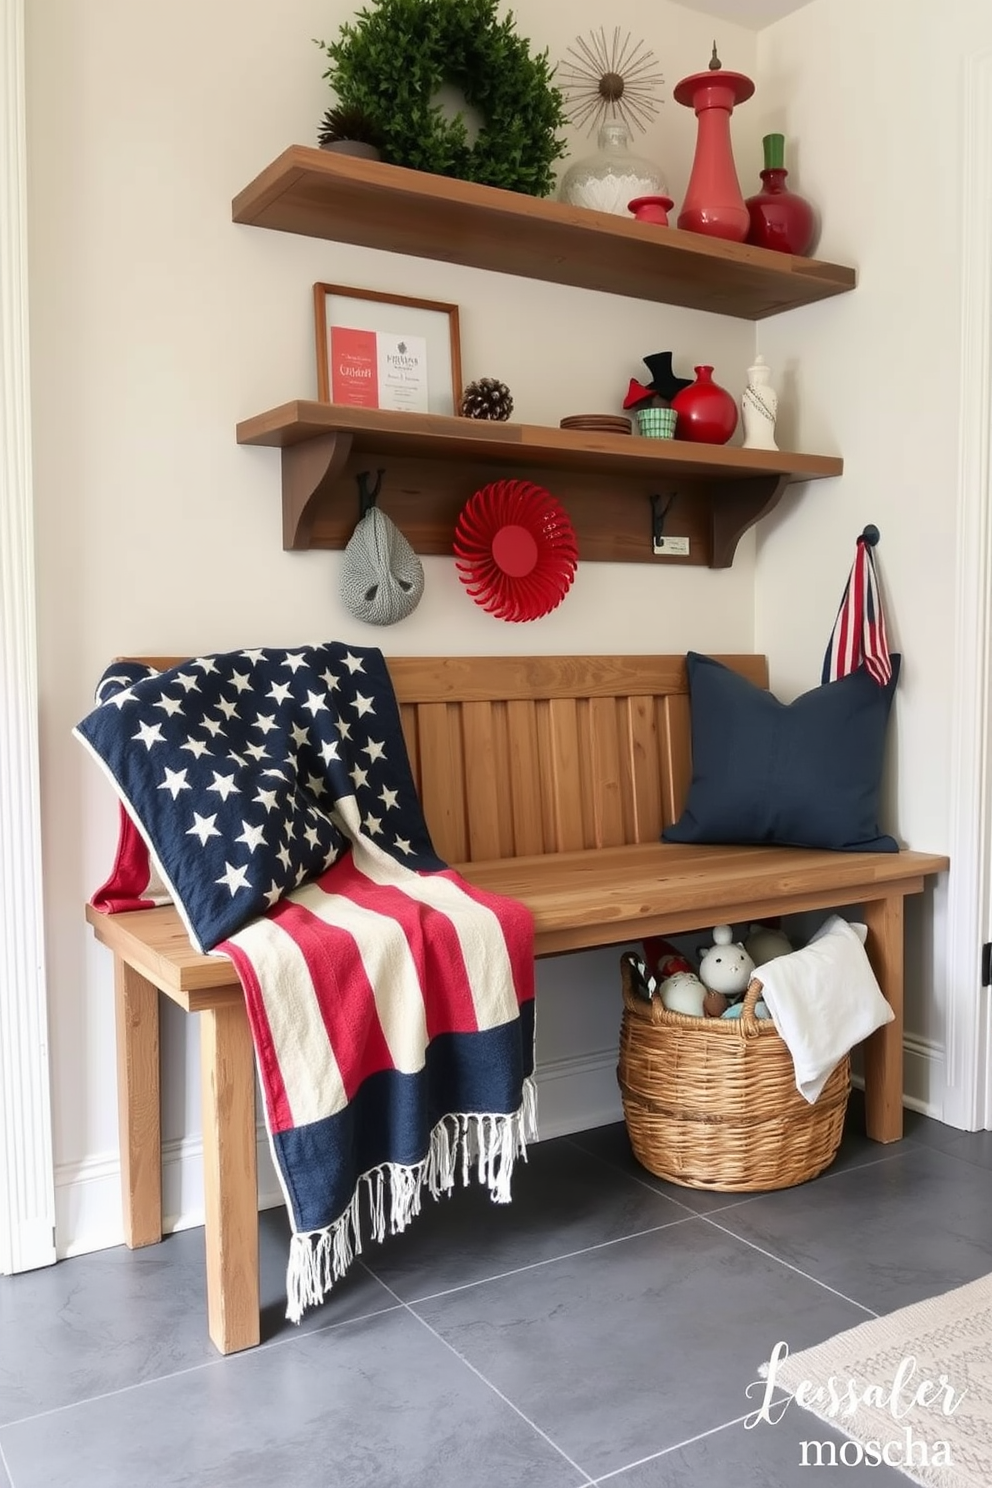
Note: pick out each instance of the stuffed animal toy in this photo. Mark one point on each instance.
(763, 943)
(664, 959)
(683, 992)
(760, 1010)
(725, 969)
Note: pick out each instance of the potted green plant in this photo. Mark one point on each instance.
(350, 131)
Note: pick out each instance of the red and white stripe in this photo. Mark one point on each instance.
(358, 971)
(858, 637)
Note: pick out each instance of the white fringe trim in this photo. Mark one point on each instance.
(489, 1144)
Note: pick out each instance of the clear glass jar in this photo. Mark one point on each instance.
(612, 177)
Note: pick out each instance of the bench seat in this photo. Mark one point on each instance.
(544, 779)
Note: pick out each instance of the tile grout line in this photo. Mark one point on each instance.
(242, 1354)
(565, 1255)
(790, 1267)
(675, 1447)
(588, 1482)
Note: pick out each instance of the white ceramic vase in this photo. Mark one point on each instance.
(759, 407)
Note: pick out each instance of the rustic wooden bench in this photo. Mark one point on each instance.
(545, 778)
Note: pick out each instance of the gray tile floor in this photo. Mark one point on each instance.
(603, 1328)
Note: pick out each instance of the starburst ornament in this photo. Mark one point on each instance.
(609, 78)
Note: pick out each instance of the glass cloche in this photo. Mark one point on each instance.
(613, 176)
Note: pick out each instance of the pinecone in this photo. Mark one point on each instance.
(486, 399)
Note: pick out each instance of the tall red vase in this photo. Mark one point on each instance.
(707, 414)
(779, 218)
(714, 202)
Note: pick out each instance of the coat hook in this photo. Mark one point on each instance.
(658, 517)
(871, 535)
(367, 498)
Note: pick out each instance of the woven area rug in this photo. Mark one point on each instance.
(913, 1390)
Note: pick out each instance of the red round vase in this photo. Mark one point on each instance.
(707, 414)
(779, 218)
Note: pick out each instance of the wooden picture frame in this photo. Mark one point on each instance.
(386, 351)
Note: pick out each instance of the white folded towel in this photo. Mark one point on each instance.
(824, 1000)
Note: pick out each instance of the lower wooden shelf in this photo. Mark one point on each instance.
(431, 465)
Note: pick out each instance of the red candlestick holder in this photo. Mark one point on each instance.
(714, 203)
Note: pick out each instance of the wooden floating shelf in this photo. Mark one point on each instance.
(325, 195)
(431, 466)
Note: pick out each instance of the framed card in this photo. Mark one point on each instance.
(386, 351)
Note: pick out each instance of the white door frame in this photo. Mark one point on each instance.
(27, 1190)
(968, 1091)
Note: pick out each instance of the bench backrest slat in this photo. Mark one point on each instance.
(519, 755)
(543, 754)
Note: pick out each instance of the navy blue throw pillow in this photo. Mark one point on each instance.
(801, 774)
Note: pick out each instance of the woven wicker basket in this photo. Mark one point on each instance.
(712, 1103)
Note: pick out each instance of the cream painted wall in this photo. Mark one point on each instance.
(875, 137)
(156, 325)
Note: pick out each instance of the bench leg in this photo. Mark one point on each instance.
(138, 1105)
(883, 1051)
(230, 1181)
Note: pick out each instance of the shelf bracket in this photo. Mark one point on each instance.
(736, 506)
(310, 469)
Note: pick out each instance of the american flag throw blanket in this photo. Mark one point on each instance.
(269, 794)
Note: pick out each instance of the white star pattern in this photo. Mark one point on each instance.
(252, 837)
(315, 703)
(203, 827)
(149, 734)
(175, 781)
(286, 730)
(170, 705)
(224, 786)
(234, 878)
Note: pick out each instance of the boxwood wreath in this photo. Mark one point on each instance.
(392, 60)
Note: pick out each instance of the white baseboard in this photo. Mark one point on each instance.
(573, 1095)
(578, 1093)
(88, 1195)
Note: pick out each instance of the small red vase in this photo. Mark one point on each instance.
(780, 218)
(707, 414)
